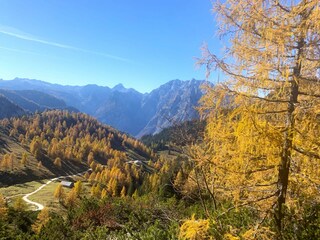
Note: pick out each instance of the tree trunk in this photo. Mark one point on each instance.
(284, 168)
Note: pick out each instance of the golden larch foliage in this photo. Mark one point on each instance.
(3, 208)
(195, 229)
(59, 192)
(42, 219)
(262, 139)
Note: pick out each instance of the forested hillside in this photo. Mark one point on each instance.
(180, 134)
(58, 142)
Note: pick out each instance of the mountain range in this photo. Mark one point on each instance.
(9, 109)
(126, 109)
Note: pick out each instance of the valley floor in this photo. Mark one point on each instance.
(37, 194)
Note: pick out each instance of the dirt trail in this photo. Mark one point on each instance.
(39, 206)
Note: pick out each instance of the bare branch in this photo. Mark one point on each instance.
(306, 153)
(247, 203)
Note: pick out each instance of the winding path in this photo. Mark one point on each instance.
(39, 206)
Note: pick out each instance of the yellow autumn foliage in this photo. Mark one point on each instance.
(42, 219)
(261, 147)
(3, 208)
(195, 229)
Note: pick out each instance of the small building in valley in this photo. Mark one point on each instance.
(67, 184)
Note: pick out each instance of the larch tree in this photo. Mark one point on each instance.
(95, 191)
(57, 162)
(3, 208)
(90, 158)
(24, 159)
(78, 188)
(71, 198)
(262, 136)
(19, 204)
(104, 193)
(39, 165)
(59, 193)
(42, 219)
(123, 192)
(12, 159)
(5, 163)
(36, 148)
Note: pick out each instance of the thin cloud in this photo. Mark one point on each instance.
(13, 32)
(27, 52)
(18, 50)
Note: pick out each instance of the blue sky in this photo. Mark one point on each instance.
(140, 43)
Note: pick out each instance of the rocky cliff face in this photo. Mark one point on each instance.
(125, 109)
(171, 103)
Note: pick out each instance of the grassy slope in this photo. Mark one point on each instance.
(45, 196)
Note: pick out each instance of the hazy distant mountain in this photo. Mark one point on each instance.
(9, 109)
(125, 109)
(32, 100)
